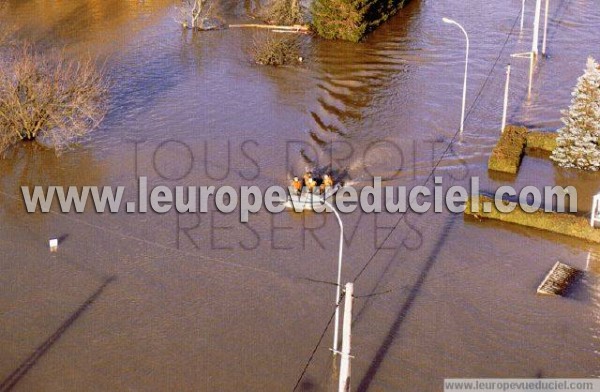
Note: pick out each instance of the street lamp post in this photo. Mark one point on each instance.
(464, 98)
(339, 279)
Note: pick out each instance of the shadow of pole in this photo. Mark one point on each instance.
(400, 317)
(369, 300)
(12, 380)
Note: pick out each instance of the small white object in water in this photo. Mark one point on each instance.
(53, 245)
(300, 59)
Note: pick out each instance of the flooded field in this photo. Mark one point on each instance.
(203, 302)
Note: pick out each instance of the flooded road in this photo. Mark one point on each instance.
(203, 302)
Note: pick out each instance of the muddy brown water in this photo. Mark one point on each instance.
(206, 303)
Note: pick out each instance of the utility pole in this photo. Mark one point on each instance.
(505, 106)
(344, 383)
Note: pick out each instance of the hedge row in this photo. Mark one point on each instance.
(561, 223)
(545, 141)
(506, 156)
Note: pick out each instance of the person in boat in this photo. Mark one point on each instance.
(311, 184)
(297, 185)
(307, 177)
(326, 184)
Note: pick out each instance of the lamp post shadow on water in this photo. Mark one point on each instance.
(464, 97)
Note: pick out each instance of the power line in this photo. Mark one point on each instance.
(314, 351)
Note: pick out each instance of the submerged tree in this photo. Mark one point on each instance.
(193, 12)
(44, 95)
(351, 19)
(284, 12)
(578, 141)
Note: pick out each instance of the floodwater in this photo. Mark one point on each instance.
(188, 303)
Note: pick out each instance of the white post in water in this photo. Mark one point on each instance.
(545, 28)
(344, 384)
(536, 27)
(595, 213)
(587, 262)
(339, 280)
(464, 97)
(505, 107)
(530, 56)
(53, 243)
(531, 66)
(522, 13)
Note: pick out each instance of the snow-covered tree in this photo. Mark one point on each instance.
(578, 141)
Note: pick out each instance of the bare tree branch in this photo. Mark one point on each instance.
(191, 12)
(48, 96)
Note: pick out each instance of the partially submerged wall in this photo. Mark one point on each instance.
(351, 20)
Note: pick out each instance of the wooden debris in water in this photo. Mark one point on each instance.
(558, 280)
(293, 29)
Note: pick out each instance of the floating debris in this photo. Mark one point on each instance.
(558, 280)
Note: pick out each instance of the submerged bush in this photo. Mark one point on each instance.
(276, 50)
(47, 96)
(193, 12)
(351, 19)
